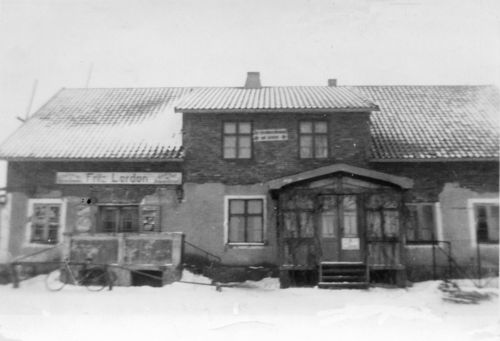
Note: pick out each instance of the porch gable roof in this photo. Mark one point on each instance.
(403, 182)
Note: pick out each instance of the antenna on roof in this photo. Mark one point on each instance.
(28, 109)
(91, 68)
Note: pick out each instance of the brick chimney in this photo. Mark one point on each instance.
(332, 82)
(253, 80)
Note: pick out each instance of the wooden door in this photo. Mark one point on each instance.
(339, 228)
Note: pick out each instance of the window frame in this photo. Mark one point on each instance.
(436, 208)
(237, 135)
(62, 220)
(471, 209)
(119, 218)
(313, 134)
(227, 200)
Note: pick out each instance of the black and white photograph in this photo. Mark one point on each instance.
(249, 170)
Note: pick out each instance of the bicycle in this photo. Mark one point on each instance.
(93, 277)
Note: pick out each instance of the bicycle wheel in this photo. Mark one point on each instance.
(95, 279)
(55, 280)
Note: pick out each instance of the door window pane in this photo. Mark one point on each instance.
(350, 216)
(374, 224)
(328, 224)
(290, 222)
(421, 222)
(306, 225)
(391, 223)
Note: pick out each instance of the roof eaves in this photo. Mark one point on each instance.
(45, 159)
(441, 159)
(270, 110)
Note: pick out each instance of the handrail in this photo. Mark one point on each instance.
(17, 259)
(452, 261)
(219, 260)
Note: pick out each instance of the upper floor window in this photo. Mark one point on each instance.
(422, 223)
(237, 140)
(313, 139)
(486, 218)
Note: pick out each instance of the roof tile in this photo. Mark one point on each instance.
(433, 122)
(274, 98)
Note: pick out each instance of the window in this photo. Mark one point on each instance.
(45, 223)
(421, 226)
(114, 219)
(237, 140)
(245, 221)
(313, 139)
(486, 222)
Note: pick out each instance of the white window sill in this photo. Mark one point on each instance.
(246, 245)
(488, 244)
(41, 245)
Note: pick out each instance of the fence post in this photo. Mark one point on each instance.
(478, 251)
(433, 256)
(13, 275)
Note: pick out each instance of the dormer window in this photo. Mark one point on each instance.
(237, 140)
(313, 139)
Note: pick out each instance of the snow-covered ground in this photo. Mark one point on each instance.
(252, 311)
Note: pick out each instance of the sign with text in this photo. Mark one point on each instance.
(261, 135)
(118, 178)
(350, 243)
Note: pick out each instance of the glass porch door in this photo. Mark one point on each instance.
(340, 238)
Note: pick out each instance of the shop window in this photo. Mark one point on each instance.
(45, 222)
(237, 140)
(486, 221)
(313, 139)
(421, 224)
(113, 219)
(245, 221)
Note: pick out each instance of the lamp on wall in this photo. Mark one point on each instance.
(179, 191)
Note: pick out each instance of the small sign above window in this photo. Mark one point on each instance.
(264, 135)
(118, 178)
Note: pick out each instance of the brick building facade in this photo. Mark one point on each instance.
(329, 185)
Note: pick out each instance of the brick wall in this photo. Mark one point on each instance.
(430, 177)
(348, 143)
(31, 176)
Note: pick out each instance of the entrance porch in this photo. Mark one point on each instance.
(339, 224)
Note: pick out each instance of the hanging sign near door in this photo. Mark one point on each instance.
(350, 243)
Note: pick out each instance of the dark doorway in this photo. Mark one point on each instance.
(303, 278)
(152, 278)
